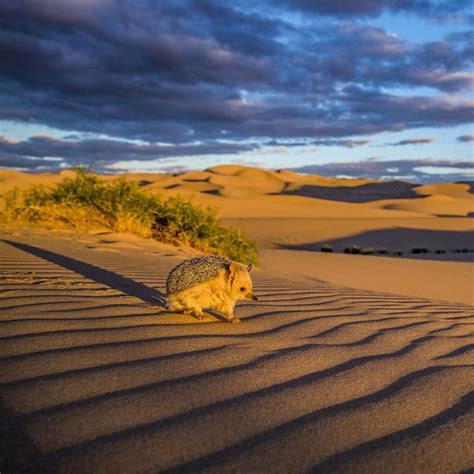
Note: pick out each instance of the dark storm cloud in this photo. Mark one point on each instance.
(203, 71)
(422, 171)
(32, 153)
(466, 138)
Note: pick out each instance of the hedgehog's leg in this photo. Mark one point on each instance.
(227, 308)
(196, 311)
(190, 299)
(174, 304)
(193, 310)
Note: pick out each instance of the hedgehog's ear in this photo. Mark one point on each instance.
(249, 268)
(232, 271)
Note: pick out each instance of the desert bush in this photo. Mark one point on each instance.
(418, 250)
(85, 201)
(353, 249)
(356, 250)
(326, 248)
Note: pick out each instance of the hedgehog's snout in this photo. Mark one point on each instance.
(251, 296)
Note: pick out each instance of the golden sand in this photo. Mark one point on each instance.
(347, 363)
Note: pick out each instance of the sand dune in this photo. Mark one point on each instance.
(346, 364)
(281, 193)
(435, 205)
(97, 378)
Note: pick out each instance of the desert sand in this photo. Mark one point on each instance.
(347, 363)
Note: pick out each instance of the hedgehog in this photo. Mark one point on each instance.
(208, 282)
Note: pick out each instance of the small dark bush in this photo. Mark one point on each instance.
(440, 251)
(418, 250)
(353, 249)
(326, 248)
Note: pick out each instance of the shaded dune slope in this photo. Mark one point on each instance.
(96, 378)
(363, 193)
(405, 239)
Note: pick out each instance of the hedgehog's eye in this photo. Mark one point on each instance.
(242, 288)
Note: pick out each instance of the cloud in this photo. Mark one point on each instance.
(207, 71)
(371, 8)
(421, 170)
(343, 143)
(43, 151)
(466, 138)
(413, 141)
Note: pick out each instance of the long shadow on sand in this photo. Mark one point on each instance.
(365, 193)
(18, 452)
(92, 272)
(457, 245)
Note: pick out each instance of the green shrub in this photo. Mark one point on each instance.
(86, 201)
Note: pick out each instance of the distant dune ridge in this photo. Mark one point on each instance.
(280, 187)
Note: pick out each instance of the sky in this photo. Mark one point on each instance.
(367, 88)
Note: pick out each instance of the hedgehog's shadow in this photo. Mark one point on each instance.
(159, 300)
(208, 312)
(216, 315)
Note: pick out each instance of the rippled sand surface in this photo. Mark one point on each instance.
(97, 377)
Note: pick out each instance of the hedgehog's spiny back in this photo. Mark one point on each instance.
(194, 271)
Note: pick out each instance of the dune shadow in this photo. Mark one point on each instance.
(358, 194)
(144, 182)
(469, 183)
(18, 453)
(197, 180)
(439, 244)
(92, 272)
(212, 192)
